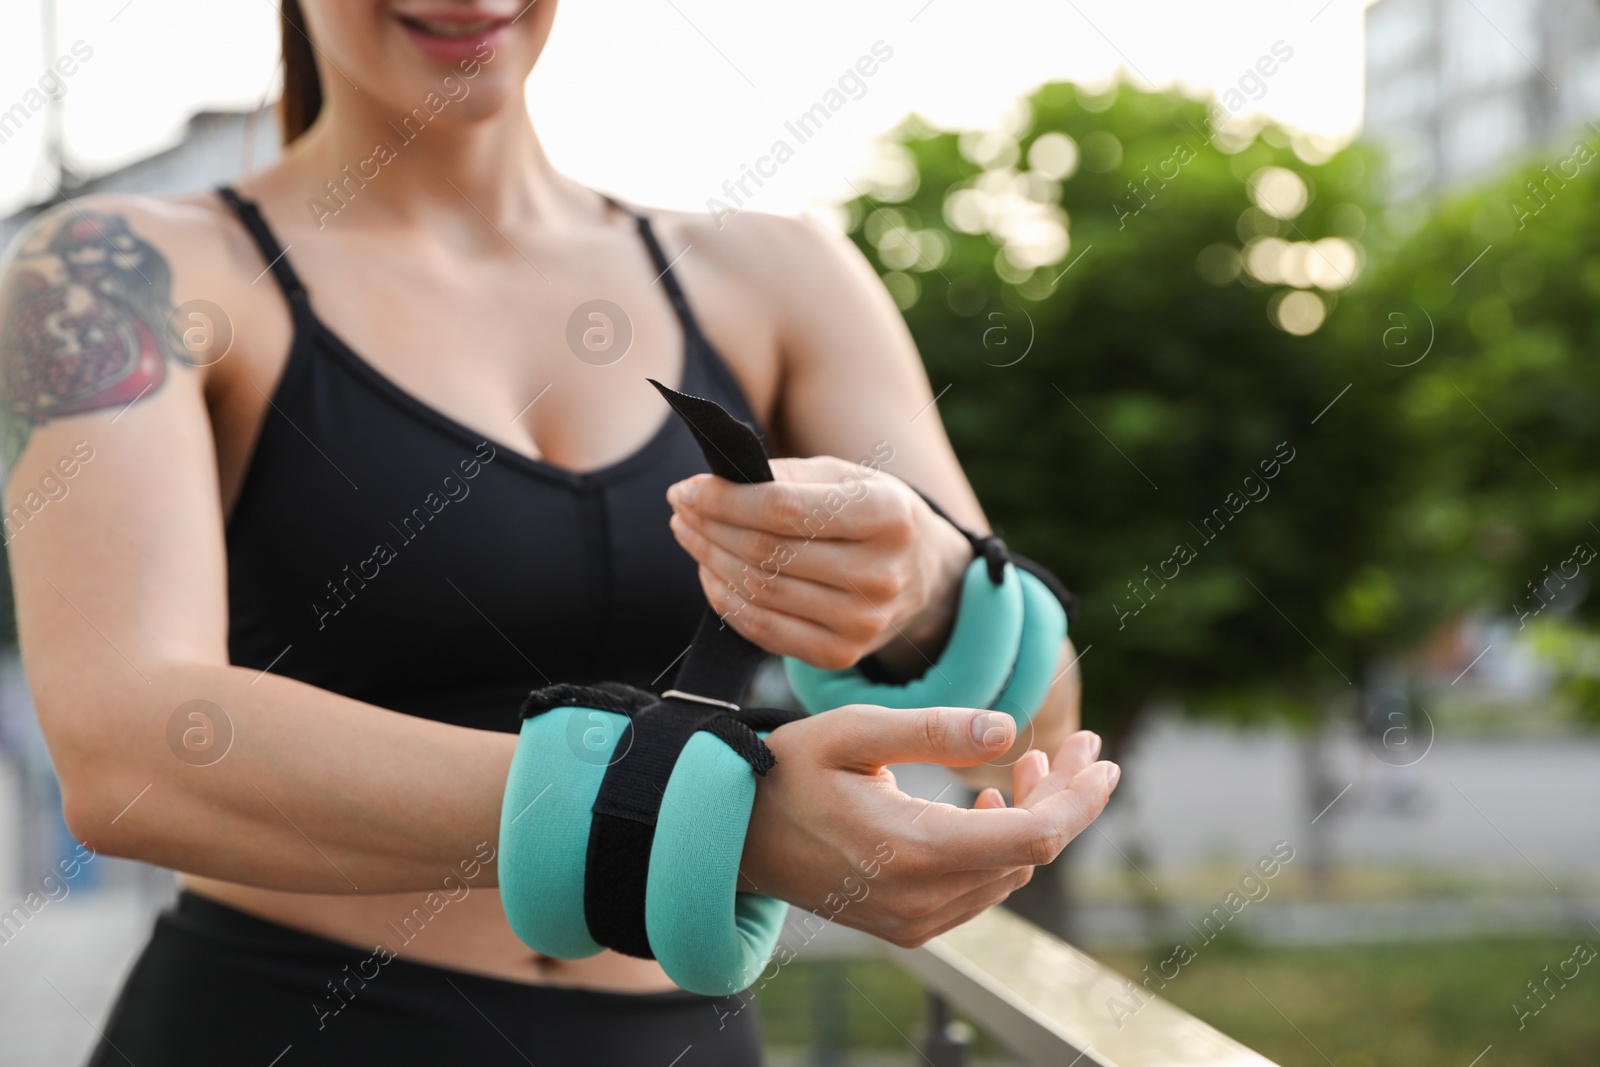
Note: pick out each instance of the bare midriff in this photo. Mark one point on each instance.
(460, 927)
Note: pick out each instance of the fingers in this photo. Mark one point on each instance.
(1076, 752)
(778, 632)
(841, 503)
(863, 737)
(776, 575)
(1054, 813)
(825, 561)
(816, 469)
(1070, 808)
(1027, 772)
(849, 616)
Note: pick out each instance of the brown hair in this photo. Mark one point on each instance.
(302, 89)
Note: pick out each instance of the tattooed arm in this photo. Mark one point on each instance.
(121, 589)
(83, 321)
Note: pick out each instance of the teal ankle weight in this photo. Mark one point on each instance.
(544, 826)
(971, 672)
(709, 936)
(1001, 654)
(1044, 628)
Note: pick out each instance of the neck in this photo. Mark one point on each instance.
(368, 164)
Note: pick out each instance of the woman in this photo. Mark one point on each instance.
(354, 459)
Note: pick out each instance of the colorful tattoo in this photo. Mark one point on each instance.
(83, 322)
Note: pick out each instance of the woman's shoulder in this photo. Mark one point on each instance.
(151, 258)
(191, 234)
(757, 247)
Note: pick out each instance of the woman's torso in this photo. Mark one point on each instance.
(435, 500)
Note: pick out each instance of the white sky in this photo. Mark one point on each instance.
(662, 101)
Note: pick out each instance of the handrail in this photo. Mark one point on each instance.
(1047, 1001)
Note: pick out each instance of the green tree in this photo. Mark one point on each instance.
(1503, 282)
(1120, 402)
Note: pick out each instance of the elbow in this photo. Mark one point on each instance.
(97, 776)
(97, 812)
(85, 822)
(123, 758)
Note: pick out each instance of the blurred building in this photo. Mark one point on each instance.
(1458, 89)
(214, 146)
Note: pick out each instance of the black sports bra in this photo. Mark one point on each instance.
(383, 550)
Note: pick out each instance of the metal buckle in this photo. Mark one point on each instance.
(697, 699)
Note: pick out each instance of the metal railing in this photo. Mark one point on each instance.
(1047, 1002)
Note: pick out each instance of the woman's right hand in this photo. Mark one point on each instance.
(832, 833)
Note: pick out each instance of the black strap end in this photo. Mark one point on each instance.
(605, 696)
(733, 449)
(741, 737)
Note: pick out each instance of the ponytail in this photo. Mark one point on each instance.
(302, 89)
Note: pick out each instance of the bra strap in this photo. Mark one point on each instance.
(274, 254)
(669, 281)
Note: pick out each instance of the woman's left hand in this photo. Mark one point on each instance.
(830, 563)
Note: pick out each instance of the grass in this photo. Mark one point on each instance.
(1398, 1005)
(871, 1003)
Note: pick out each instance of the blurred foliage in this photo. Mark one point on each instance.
(1574, 653)
(1118, 402)
(1501, 287)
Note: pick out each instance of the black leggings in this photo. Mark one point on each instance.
(216, 985)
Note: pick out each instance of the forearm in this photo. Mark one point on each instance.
(316, 792)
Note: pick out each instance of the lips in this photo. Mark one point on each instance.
(453, 30)
(454, 35)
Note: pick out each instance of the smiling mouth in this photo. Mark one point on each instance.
(453, 31)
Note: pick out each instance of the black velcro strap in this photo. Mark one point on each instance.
(622, 833)
(718, 665)
(614, 887)
(720, 662)
(737, 730)
(624, 823)
(606, 696)
(768, 719)
(734, 449)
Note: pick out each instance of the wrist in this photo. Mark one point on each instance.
(921, 636)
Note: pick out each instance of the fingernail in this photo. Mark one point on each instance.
(1113, 775)
(1094, 746)
(989, 731)
(687, 492)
